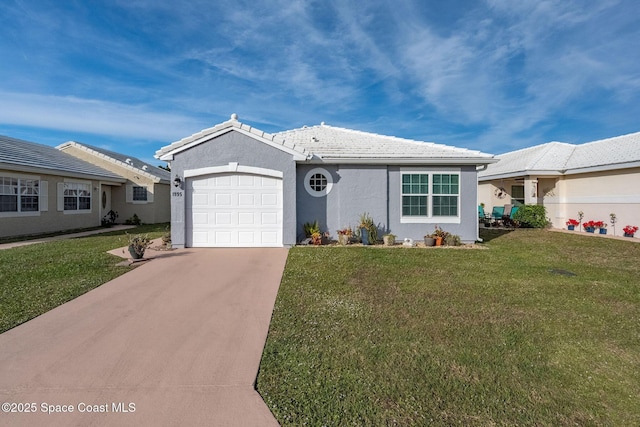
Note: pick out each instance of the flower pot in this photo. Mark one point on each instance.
(589, 229)
(603, 231)
(429, 241)
(134, 254)
(343, 239)
(571, 227)
(438, 241)
(629, 234)
(389, 240)
(364, 236)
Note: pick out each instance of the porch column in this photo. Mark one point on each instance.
(531, 190)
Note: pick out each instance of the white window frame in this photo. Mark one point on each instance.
(20, 179)
(61, 196)
(307, 183)
(430, 218)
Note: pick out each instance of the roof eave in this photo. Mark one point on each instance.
(57, 172)
(402, 160)
(603, 168)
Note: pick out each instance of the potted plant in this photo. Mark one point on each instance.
(589, 226)
(344, 235)
(571, 224)
(368, 230)
(630, 230)
(389, 239)
(138, 243)
(439, 235)
(602, 226)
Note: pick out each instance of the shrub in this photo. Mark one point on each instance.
(531, 216)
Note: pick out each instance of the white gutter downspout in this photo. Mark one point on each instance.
(479, 169)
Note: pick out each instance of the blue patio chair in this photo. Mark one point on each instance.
(513, 211)
(496, 214)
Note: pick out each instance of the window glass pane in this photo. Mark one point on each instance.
(445, 205)
(70, 203)
(318, 182)
(140, 193)
(415, 184)
(414, 205)
(8, 203)
(445, 184)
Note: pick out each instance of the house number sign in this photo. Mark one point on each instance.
(177, 194)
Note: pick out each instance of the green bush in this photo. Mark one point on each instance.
(531, 216)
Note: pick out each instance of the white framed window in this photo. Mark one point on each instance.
(430, 196)
(318, 182)
(74, 196)
(20, 195)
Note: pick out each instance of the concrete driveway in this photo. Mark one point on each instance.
(177, 341)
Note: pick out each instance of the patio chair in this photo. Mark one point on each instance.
(506, 215)
(483, 217)
(496, 214)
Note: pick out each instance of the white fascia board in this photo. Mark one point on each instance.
(603, 168)
(398, 161)
(519, 174)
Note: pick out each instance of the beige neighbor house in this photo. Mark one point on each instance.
(597, 178)
(44, 190)
(146, 192)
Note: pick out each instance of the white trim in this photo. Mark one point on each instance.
(233, 167)
(326, 174)
(20, 178)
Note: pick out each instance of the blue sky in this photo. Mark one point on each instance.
(495, 75)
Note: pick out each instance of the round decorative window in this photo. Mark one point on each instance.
(318, 182)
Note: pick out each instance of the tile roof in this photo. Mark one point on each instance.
(165, 153)
(16, 154)
(123, 160)
(330, 144)
(333, 144)
(557, 158)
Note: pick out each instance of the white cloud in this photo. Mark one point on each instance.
(94, 117)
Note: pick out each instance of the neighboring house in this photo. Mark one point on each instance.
(235, 185)
(146, 192)
(597, 178)
(45, 190)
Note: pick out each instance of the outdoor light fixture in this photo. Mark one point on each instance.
(177, 181)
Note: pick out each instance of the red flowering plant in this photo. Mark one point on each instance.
(599, 224)
(630, 229)
(573, 222)
(590, 224)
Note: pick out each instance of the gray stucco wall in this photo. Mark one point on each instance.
(377, 190)
(467, 228)
(356, 189)
(246, 151)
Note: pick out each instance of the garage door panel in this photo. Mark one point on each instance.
(246, 199)
(224, 199)
(234, 210)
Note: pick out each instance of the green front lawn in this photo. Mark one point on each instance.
(372, 336)
(36, 278)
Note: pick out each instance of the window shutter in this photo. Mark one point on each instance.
(150, 193)
(43, 197)
(129, 194)
(60, 196)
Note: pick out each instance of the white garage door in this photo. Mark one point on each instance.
(234, 210)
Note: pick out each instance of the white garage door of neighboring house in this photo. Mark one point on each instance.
(234, 210)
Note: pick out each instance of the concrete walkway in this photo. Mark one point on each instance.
(65, 236)
(177, 341)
